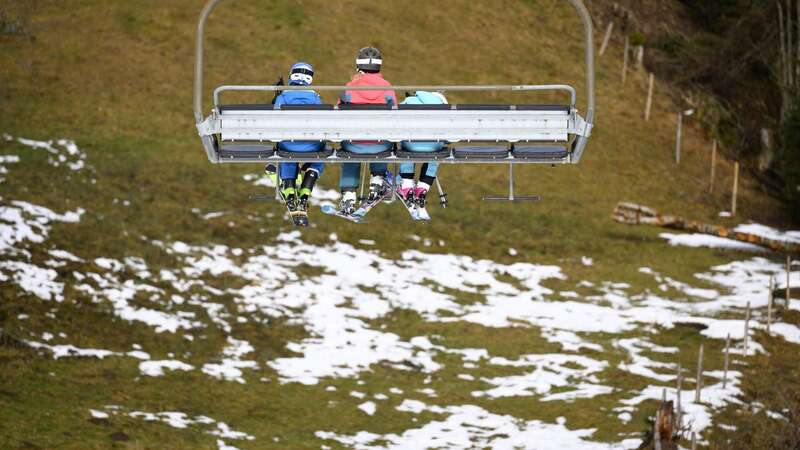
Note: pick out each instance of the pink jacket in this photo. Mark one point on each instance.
(369, 97)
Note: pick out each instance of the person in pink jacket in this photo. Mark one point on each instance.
(368, 68)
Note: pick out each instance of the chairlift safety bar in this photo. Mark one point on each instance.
(508, 88)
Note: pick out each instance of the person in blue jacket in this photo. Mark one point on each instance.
(301, 74)
(415, 193)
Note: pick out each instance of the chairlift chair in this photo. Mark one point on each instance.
(518, 133)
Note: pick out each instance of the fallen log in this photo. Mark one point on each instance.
(633, 214)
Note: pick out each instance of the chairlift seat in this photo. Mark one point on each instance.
(444, 153)
(483, 152)
(324, 153)
(539, 152)
(246, 152)
(344, 154)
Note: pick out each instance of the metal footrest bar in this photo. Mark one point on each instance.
(511, 197)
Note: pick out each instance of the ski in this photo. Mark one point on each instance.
(408, 205)
(366, 205)
(422, 214)
(332, 211)
(299, 218)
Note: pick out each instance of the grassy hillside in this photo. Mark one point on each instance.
(115, 77)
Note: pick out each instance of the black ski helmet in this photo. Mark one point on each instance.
(369, 60)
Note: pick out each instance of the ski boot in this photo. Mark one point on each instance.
(405, 189)
(347, 206)
(420, 196)
(309, 179)
(377, 188)
(289, 196)
(301, 218)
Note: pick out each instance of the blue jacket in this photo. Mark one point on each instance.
(299, 98)
(423, 98)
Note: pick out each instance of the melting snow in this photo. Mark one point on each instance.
(468, 426)
(357, 286)
(704, 240)
(156, 368)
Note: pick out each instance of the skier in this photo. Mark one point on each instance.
(368, 68)
(301, 74)
(414, 195)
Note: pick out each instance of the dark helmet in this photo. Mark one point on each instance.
(369, 60)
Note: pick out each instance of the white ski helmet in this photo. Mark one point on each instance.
(302, 74)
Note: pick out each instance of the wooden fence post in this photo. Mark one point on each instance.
(788, 281)
(727, 360)
(625, 60)
(679, 412)
(735, 188)
(649, 105)
(769, 302)
(699, 384)
(694, 440)
(746, 329)
(606, 38)
(678, 138)
(639, 52)
(656, 431)
(713, 165)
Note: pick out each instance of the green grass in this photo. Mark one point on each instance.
(116, 78)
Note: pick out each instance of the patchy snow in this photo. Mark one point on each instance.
(697, 415)
(98, 414)
(62, 152)
(550, 371)
(643, 366)
(23, 222)
(35, 280)
(705, 240)
(468, 426)
(341, 309)
(769, 232)
(156, 368)
(180, 420)
(368, 408)
(230, 367)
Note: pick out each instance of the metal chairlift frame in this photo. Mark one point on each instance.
(254, 130)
